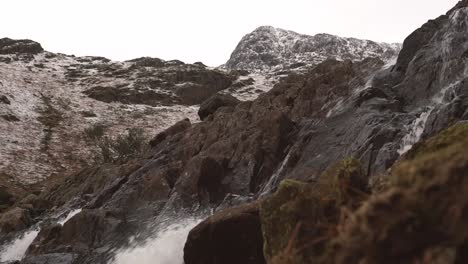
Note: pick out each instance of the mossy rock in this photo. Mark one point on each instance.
(300, 217)
(345, 182)
(423, 155)
(423, 213)
(447, 138)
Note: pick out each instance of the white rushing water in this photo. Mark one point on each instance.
(69, 216)
(17, 249)
(165, 247)
(416, 130)
(275, 177)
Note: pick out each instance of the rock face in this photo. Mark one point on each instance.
(268, 48)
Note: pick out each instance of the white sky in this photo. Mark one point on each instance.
(201, 30)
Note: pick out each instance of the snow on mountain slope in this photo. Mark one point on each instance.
(47, 101)
(273, 49)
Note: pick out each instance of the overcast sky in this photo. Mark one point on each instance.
(201, 30)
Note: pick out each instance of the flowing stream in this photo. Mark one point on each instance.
(165, 247)
(18, 247)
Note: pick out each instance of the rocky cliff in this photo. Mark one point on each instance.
(345, 161)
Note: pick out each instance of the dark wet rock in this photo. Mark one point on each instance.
(429, 69)
(241, 142)
(171, 131)
(210, 106)
(230, 236)
(10, 46)
(370, 93)
(415, 41)
(15, 219)
(86, 230)
(4, 100)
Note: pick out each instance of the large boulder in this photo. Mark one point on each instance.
(232, 236)
(210, 106)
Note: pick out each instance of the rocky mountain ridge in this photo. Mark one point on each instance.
(269, 49)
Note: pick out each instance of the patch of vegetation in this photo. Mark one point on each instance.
(300, 218)
(50, 117)
(95, 132)
(116, 149)
(421, 216)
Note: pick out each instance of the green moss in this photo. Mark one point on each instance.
(424, 155)
(455, 134)
(300, 217)
(424, 208)
(345, 182)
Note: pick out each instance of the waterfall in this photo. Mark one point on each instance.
(18, 247)
(416, 130)
(268, 187)
(165, 247)
(69, 216)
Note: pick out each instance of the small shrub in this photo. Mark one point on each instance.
(95, 132)
(120, 148)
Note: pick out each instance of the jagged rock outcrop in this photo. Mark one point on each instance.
(268, 48)
(25, 46)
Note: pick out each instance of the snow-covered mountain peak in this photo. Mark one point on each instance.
(274, 49)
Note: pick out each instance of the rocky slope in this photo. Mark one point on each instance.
(49, 100)
(345, 136)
